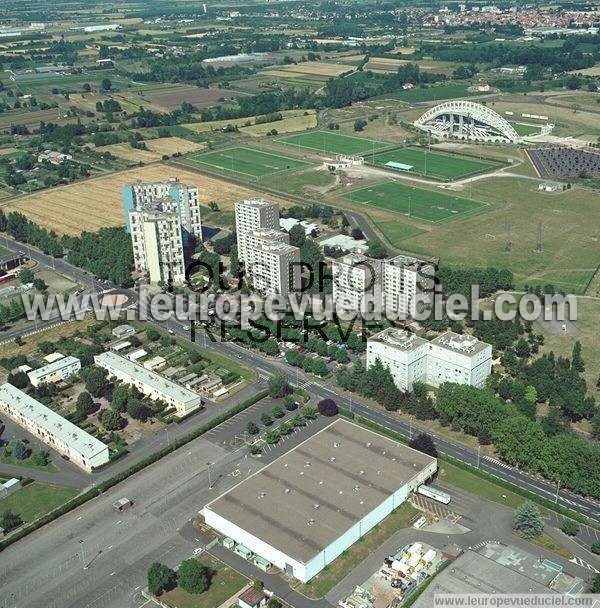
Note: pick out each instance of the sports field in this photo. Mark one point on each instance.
(418, 204)
(432, 164)
(246, 161)
(333, 143)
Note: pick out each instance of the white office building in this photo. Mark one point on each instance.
(356, 280)
(56, 432)
(450, 357)
(272, 264)
(158, 251)
(56, 371)
(407, 285)
(149, 383)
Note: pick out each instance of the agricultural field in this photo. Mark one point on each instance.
(416, 203)
(133, 155)
(172, 98)
(386, 65)
(248, 162)
(98, 202)
(329, 142)
(434, 93)
(296, 120)
(432, 164)
(311, 70)
(172, 145)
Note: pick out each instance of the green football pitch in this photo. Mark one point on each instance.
(333, 143)
(246, 161)
(420, 204)
(431, 164)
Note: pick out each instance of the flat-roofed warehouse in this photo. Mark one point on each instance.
(304, 509)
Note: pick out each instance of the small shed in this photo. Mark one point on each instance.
(123, 331)
(261, 563)
(251, 598)
(243, 551)
(228, 543)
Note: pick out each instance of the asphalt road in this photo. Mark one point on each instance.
(543, 488)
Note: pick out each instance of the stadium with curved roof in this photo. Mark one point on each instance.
(463, 119)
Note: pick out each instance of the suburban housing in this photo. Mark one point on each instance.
(450, 357)
(58, 433)
(149, 383)
(304, 509)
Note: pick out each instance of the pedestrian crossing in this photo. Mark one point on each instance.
(497, 462)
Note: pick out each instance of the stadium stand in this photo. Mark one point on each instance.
(565, 162)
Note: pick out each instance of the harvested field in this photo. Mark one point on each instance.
(125, 151)
(97, 203)
(172, 145)
(301, 121)
(247, 124)
(201, 98)
(319, 70)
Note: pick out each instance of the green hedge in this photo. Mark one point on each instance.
(138, 466)
(419, 591)
(548, 504)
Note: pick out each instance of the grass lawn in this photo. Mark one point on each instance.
(246, 161)
(547, 542)
(28, 464)
(426, 205)
(481, 487)
(332, 143)
(225, 582)
(524, 130)
(447, 91)
(333, 573)
(395, 232)
(432, 164)
(36, 500)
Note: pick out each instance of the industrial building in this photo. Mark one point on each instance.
(57, 432)
(450, 357)
(149, 383)
(304, 509)
(58, 370)
(272, 264)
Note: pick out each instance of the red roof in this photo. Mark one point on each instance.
(252, 596)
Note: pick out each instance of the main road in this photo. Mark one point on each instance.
(394, 422)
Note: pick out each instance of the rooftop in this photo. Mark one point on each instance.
(256, 202)
(152, 379)
(460, 343)
(407, 262)
(310, 496)
(398, 338)
(53, 367)
(54, 424)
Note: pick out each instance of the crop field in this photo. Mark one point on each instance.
(246, 161)
(98, 202)
(297, 120)
(172, 99)
(332, 143)
(172, 145)
(320, 70)
(432, 164)
(425, 205)
(125, 151)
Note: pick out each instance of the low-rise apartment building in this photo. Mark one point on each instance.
(56, 432)
(149, 383)
(56, 371)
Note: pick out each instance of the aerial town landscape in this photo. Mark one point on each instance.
(299, 303)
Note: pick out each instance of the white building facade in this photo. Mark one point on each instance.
(355, 276)
(56, 432)
(450, 357)
(149, 383)
(55, 372)
(407, 285)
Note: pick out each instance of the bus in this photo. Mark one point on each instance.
(434, 493)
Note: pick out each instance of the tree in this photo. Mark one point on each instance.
(328, 407)
(18, 449)
(119, 399)
(570, 527)
(252, 428)
(375, 249)
(95, 381)
(360, 124)
(86, 87)
(274, 603)
(576, 360)
(160, 578)
(106, 84)
(279, 385)
(528, 520)
(424, 443)
(85, 403)
(9, 521)
(266, 419)
(193, 577)
(595, 548)
(297, 235)
(277, 412)
(40, 458)
(595, 587)
(26, 276)
(111, 420)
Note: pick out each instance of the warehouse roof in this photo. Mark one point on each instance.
(310, 496)
(22, 404)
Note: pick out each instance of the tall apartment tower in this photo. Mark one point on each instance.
(175, 197)
(254, 214)
(407, 285)
(272, 264)
(157, 240)
(355, 276)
